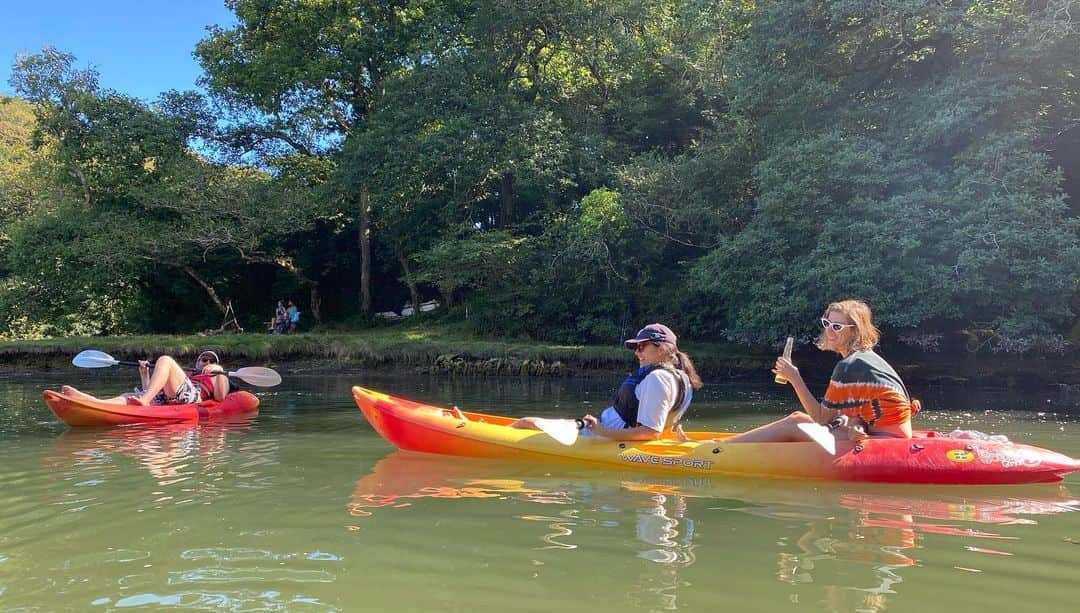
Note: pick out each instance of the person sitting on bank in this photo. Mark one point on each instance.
(863, 386)
(280, 323)
(653, 398)
(170, 384)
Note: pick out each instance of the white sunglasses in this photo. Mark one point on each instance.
(836, 327)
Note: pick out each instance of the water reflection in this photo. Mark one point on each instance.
(171, 453)
(660, 524)
(571, 511)
(851, 542)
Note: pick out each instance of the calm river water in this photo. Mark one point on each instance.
(305, 508)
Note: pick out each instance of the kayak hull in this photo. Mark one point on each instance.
(82, 412)
(928, 458)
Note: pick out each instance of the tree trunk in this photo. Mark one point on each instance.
(365, 250)
(506, 199)
(206, 287)
(83, 183)
(404, 261)
(316, 302)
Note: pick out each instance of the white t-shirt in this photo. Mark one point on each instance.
(656, 394)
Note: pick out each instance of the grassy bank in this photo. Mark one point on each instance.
(430, 348)
(444, 349)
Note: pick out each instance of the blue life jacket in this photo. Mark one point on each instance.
(625, 401)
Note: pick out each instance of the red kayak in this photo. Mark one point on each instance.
(82, 412)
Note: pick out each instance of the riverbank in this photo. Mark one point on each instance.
(430, 349)
(437, 349)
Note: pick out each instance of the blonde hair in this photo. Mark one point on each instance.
(866, 333)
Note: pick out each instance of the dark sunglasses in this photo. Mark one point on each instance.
(207, 359)
(641, 346)
(836, 327)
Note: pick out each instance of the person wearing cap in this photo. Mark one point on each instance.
(653, 398)
(167, 383)
(171, 383)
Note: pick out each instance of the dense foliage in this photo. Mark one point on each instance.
(566, 170)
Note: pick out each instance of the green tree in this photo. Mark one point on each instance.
(901, 161)
(145, 211)
(310, 74)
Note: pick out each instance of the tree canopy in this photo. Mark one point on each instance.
(566, 170)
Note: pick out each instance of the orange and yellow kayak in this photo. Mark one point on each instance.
(927, 458)
(82, 412)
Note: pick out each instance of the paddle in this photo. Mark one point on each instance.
(565, 431)
(822, 434)
(254, 375)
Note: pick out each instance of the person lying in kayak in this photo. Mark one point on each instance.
(863, 386)
(653, 398)
(168, 383)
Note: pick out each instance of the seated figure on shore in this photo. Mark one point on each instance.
(168, 383)
(863, 386)
(280, 323)
(653, 398)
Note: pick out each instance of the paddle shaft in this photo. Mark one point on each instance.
(131, 363)
(126, 363)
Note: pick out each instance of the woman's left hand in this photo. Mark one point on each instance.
(213, 369)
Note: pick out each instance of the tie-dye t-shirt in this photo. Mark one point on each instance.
(863, 385)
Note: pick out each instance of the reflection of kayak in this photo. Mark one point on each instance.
(402, 477)
(884, 505)
(81, 412)
(167, 450)
(928, 458)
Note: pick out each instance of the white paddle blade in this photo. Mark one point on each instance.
(564, 431)
(93, 359)
(820, 435)
(257, 376)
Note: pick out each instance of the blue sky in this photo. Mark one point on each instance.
(140, 48)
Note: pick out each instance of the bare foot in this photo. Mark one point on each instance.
(525, 423)
(71, 392)
(680, 435)
(455, 413)
(135, 401)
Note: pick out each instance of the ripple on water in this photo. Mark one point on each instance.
(238, 600)
(249, 575)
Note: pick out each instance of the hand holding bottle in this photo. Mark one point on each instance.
(777, 369)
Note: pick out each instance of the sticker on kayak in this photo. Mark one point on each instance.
(641, 458)
(960, 455)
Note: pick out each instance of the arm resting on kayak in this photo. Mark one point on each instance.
(637, 433)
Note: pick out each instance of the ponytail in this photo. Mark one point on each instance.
(685, 364)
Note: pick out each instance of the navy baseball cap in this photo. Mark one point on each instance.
(653, 332)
